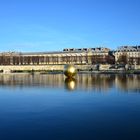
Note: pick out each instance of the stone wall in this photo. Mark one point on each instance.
(31, 67)
(137, 67)
(8, 68)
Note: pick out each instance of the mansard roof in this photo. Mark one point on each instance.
(128, 48)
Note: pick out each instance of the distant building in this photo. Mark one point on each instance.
(128, 55)
(99, 55)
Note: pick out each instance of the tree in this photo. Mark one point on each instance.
(123, 59)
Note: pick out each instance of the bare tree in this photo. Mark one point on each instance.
(123, 59)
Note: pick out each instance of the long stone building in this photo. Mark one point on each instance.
(128, 55)
(67, 56)
(82, 56)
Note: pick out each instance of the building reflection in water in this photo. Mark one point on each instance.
(128, 82)
(99, 82)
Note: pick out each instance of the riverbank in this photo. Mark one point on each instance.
(78, 72)
(56, 69)
(112, 72)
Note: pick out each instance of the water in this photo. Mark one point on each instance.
(50, 107)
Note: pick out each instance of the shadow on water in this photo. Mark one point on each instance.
(82, 81)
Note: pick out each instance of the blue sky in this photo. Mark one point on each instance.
(51, 25)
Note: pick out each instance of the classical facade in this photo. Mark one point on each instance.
(128, 55)
(67, 56)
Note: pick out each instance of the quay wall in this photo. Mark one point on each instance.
(137, 67)
(10, 68)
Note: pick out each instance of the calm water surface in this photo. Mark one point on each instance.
(50, 107)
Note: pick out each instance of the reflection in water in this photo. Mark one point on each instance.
(70, 83)
(128, 82)
(95, 81)
(81, 81)
(40, 107)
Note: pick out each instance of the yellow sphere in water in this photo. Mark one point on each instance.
(70, 70)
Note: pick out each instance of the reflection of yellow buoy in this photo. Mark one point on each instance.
(70, 70)
(70, 83)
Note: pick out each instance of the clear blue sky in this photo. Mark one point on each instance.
(49, 25)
